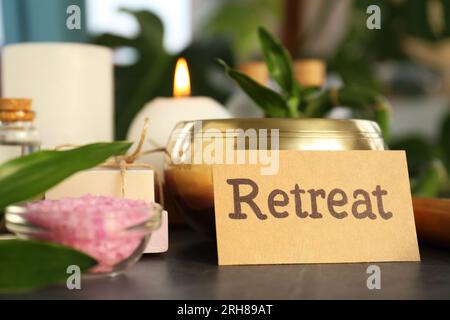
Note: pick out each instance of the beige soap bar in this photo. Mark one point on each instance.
(137, 184)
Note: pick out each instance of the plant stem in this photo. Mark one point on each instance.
(293, 111)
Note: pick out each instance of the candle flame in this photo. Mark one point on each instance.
(182, 82)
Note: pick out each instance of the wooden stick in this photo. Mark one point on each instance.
(432, 220)
(292, 23)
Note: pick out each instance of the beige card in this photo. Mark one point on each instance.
(321, 207)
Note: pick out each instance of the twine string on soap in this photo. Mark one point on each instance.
(125, 162)
(128, 161)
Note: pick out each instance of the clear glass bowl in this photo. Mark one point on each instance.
(115, 247)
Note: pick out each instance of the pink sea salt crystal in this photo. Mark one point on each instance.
(96, 225)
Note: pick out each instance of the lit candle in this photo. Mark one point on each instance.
(165, 113)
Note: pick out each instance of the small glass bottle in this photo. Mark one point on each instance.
(18, 136)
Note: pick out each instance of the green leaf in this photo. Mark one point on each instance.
(419, 152)
(205, 74)
(444, 141)
(317, 105)
(279, 63)
(430, 182)
(149, 77)
(361, 98)
(355, 97)
(232, 18)
(27, 264)
(113, 41)
(26, 177)
(270, 101)
(382, 115)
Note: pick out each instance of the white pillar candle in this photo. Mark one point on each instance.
(71, 86)
(165, 113)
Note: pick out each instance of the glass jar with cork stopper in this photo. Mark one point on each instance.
(18, 136)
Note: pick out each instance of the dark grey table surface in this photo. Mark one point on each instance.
(189, 271)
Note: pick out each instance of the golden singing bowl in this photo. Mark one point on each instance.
(188, 175)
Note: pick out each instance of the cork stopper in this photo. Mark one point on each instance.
(12, 110)
(310, 72)
(256, 70)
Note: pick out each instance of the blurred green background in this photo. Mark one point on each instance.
(408, 59)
